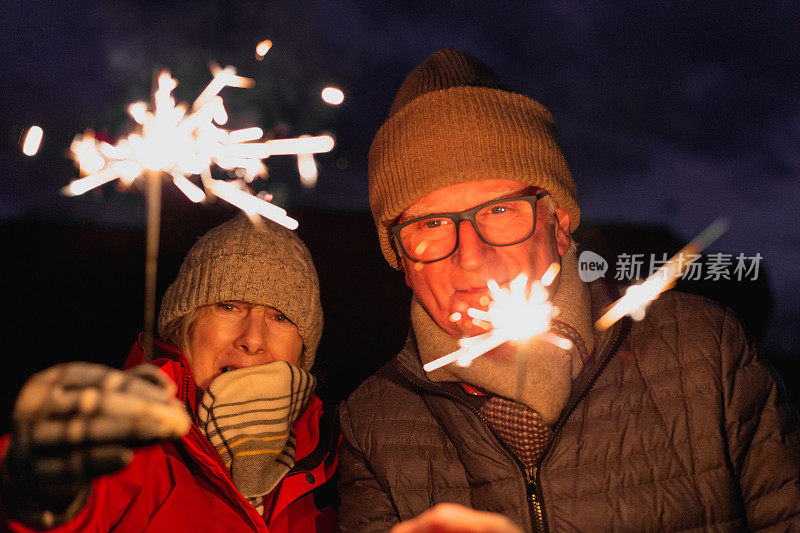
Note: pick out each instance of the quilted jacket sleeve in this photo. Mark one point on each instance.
(365, 506)
(763, 434)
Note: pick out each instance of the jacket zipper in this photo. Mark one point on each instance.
(531, 486)
(531, 475)
(536, 519)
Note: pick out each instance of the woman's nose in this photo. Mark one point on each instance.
(252, 337)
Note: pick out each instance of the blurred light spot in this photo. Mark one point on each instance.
(332, 95)
(33, 139)
(262, 48)
(307, 168)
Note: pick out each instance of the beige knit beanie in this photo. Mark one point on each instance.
(265, 264)
(453, 120)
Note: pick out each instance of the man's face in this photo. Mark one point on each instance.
(459, 281)
(235, 334)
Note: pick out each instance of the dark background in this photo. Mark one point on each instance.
(670, 116)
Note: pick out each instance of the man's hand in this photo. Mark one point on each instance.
(453, 518)
(76, 421)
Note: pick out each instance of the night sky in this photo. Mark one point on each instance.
(670, 115)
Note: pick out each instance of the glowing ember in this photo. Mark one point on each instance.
(332, 95)
(513, 315)
(192, 191)
(182, 143)
(550, 274)
(250, 204)
(262, 48)
(305, 144)
(421, 247)
(307, 168)
(32, 141)
(638, 297)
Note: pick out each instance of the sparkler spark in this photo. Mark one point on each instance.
(32, 141)
(512, 315)
(307, 168)
(638, 297)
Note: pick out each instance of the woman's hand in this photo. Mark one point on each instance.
(453, 518)
(76, 421)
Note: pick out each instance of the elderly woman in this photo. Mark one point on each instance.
(220, 431)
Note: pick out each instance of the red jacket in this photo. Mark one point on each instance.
(183, 485)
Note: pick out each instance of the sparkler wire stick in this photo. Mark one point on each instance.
(638, 296)
(153, 200)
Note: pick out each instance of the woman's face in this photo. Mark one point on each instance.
(234, 334)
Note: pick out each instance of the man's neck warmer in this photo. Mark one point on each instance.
(247, 414)
(549, 370)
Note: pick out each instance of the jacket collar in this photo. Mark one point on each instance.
(174, 364)
(316, 430)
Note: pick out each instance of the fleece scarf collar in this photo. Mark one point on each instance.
(549, 370)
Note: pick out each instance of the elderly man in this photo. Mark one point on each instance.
(671, 423)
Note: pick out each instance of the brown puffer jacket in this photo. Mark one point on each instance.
(674, 425)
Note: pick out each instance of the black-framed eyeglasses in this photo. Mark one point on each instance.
(500, 222)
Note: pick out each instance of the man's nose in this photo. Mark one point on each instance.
(252, 338)
(472, 251)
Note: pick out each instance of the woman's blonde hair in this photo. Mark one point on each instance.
(179, 331)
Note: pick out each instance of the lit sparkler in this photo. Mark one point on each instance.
(174, 141)
(511, 315)
(182, 141)
(638, 297)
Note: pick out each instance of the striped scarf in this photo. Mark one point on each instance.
(247, 414)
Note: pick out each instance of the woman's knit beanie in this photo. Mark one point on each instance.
(263, 264)
(452, 121)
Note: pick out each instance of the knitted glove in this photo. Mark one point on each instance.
(74, 422)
